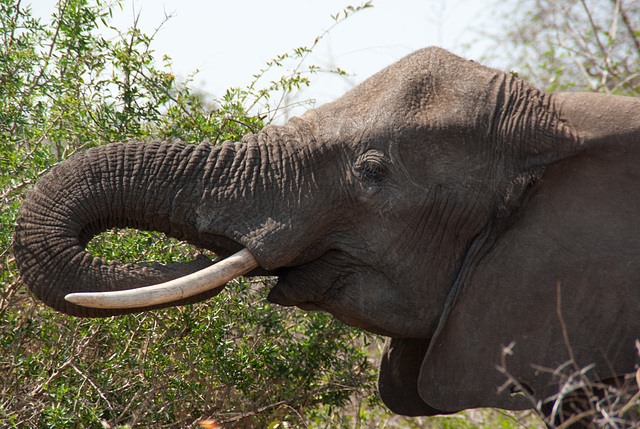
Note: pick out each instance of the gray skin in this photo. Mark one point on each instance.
(440, 203)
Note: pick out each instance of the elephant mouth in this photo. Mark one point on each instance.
(334, 283)
(309, 285)
(319, 284)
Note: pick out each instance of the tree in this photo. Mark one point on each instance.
(577, 45)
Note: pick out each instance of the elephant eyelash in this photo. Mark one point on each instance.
(371, 170)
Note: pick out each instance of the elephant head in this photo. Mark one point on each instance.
(440, 203)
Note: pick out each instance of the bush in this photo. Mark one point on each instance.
(233, 357)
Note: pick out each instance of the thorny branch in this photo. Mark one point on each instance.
(606, 405)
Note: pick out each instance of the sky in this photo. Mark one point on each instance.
(227, 42)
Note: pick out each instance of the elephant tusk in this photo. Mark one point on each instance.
(206, 279)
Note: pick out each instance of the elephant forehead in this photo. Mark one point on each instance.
(427, 79)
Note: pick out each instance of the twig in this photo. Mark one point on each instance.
(41, 386)
(130, 402)
(35, 392)
(627, 23)
(303, 52)
(100, 392)
(40, 140)
(508, 351)
(595, 30)
(565, 334)
(633, 402)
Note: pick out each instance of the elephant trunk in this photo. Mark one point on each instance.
(154, 186)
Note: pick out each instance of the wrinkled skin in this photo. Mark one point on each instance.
(440, 203)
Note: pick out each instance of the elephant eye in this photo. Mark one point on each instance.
(371, 170)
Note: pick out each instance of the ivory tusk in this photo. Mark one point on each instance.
(201, 281)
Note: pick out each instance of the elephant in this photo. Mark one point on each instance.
(450, 207)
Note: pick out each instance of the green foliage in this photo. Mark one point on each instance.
(140, 246)
(233, 357)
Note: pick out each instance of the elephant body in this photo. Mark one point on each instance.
(449, 206)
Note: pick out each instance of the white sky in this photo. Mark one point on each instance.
(227, 41)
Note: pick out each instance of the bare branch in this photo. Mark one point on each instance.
(635, 35)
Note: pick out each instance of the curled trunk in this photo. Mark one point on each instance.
(154, 186)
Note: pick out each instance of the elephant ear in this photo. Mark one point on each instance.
(398, 379)
(560, 283)
(460, 369)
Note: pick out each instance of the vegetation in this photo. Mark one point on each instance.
(575, 45)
